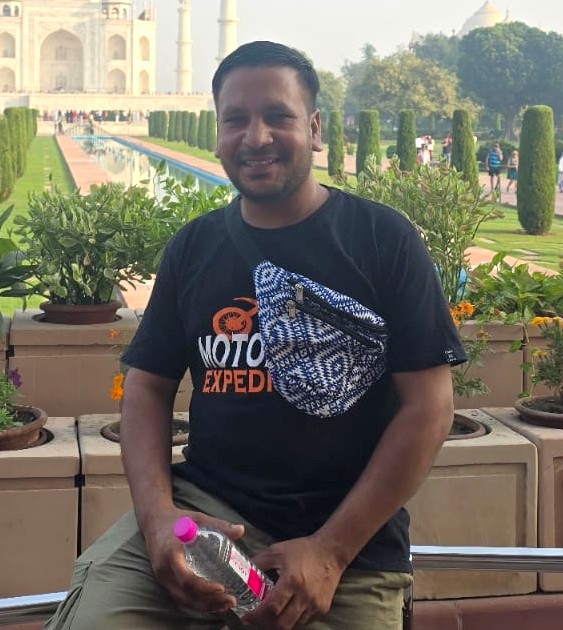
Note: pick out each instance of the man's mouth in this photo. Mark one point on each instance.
(259, 163)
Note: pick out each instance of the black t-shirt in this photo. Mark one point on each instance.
(283, 470)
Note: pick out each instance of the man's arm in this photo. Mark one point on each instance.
(310, 568)
(146, 451)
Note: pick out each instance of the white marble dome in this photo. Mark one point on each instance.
(485, 17)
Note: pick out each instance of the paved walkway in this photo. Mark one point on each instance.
(86, 172)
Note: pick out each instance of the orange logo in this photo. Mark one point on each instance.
(233, 320)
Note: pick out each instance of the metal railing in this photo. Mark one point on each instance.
(32, 608)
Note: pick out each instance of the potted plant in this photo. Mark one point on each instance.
(547, 368)
(20, 426)
(85, 247)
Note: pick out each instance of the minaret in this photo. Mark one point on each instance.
(184, 77)
(228, 36)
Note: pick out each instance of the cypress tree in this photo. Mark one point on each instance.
(464, 158)
(171, 132)
(406, 140)
(202, 130)
(178, 131)
(185, 126)
(6, 166)
(17, 139)
(211, 130)
(163, 124)
(536, 171)
(368, 138)
(192, 132)
(151, 124)
(335, 144)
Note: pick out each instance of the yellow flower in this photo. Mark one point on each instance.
(540, 321)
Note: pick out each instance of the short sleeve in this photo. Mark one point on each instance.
(159, 345)
(422, 332)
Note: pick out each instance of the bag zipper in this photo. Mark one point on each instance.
(302, 292)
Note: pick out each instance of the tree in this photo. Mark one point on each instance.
(401, 81)
(442, 49)
(406, 140)
(171, 133)
(368, 138)
(17, 139)
(202, 130)
(536, 171)
(335, 144)
(192, 133)
(464, 158)
(211, 130)
(178, 131)
(510, 66)
(7, 176)
(185, 125)
(331, 94)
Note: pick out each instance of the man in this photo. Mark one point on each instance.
(493, 164)
(318, 502)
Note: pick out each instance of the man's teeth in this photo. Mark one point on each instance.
(259, 162)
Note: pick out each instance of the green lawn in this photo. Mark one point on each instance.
(44, 161)
(506, 235)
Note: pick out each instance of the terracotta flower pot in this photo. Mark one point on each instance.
(544, 411)
(464, 428)
(79, 313)
(26, 435)
(179, 432)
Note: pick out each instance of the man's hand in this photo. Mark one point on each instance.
(308, 577)
(168, 561)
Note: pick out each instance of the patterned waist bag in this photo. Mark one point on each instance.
(323, 348)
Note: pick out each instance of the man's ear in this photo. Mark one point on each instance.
(316, 131)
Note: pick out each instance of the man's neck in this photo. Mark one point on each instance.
(285, 211)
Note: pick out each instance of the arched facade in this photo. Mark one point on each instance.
(97, 47)
(7, 80)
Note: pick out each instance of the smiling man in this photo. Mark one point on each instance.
(316, 501)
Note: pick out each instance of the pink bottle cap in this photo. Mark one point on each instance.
(185, 529)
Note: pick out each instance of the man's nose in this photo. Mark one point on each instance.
(258, 134)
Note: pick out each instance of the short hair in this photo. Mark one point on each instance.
(264, 54)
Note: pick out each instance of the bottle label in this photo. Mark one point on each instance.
(244, 569)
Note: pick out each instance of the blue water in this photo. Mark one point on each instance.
(130, 165)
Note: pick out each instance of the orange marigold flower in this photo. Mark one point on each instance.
(466, 308)
(540, 321)
(116, 391)
(114, 333)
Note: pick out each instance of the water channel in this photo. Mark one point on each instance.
(132, 166)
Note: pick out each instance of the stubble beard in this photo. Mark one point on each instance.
(284, 189)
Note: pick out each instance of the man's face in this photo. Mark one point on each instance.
(265, 131)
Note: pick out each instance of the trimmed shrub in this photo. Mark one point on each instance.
(192, 131)
(7, 176)
(211, 130)
(202, 130)
(178, 131)
(185, 126)
(171, 132)
(368, 138)
(536, 171)
(391, 151)
(17, 139)
(335, 144)
(464, 158)
(406, 140)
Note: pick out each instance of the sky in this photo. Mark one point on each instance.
(330, 32)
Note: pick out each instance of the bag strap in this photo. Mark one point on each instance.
(241, 236)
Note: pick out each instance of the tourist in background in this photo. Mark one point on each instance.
(512, 172)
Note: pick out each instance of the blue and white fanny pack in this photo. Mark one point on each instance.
(323, 349)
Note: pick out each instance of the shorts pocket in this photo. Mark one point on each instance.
(64, 615)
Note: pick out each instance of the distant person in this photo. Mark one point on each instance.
(493, 165)
(512, 170)
(423, 156)
(430, 146)
(447, 148)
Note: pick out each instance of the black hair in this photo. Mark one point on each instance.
(264, 53)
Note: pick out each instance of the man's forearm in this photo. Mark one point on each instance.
(397, 468)
(146, 449)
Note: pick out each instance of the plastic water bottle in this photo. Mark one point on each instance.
(214, 557)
